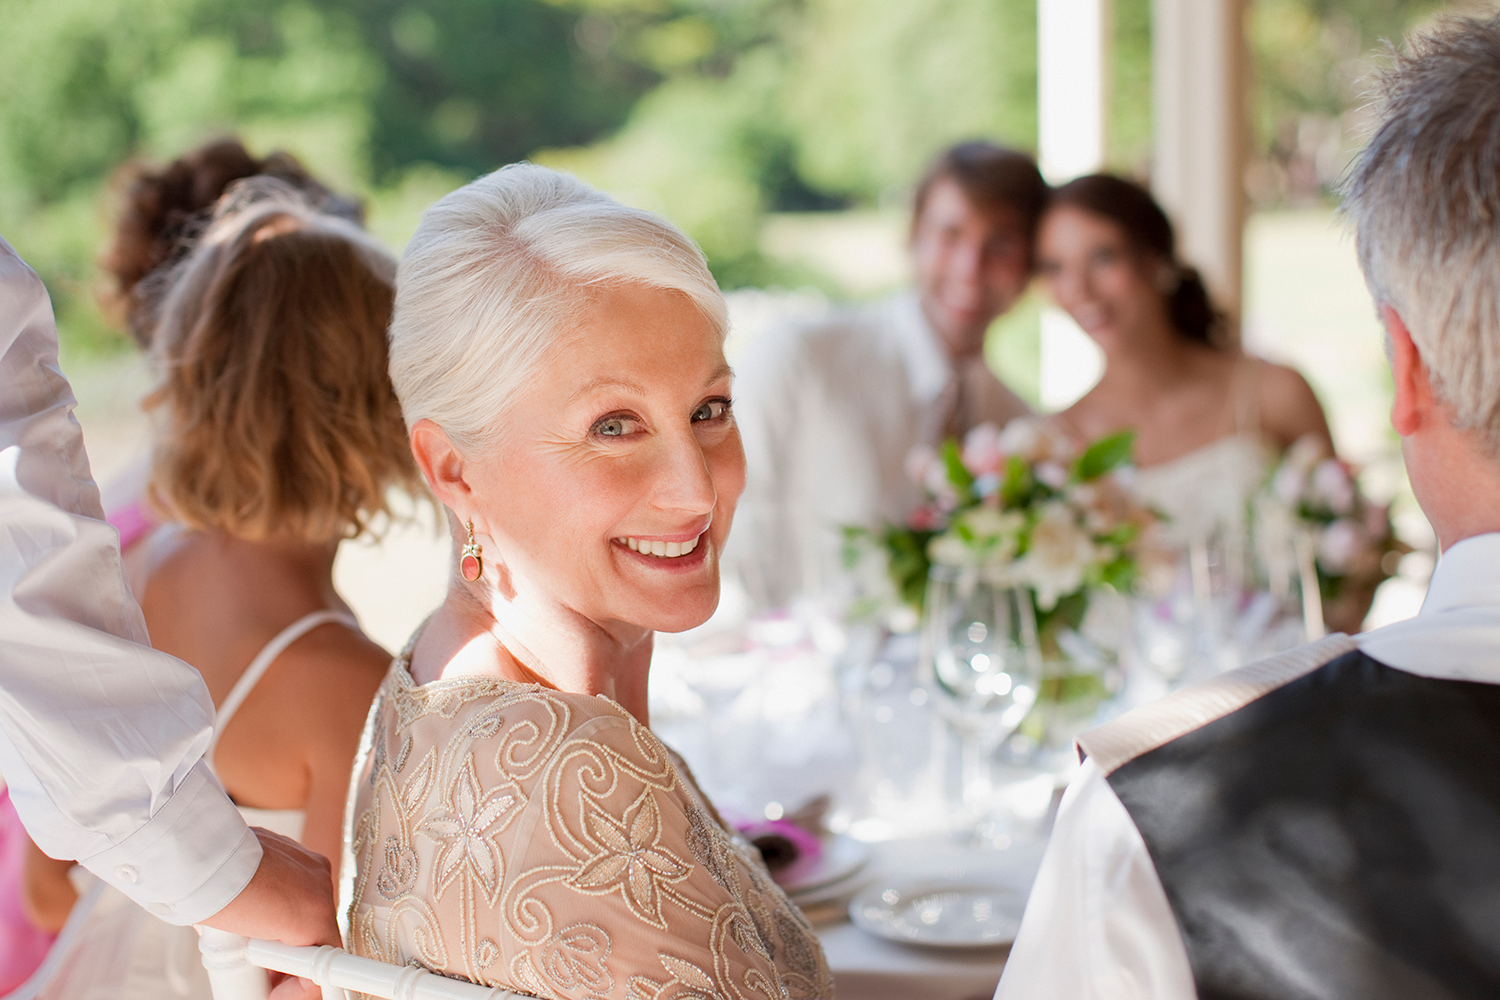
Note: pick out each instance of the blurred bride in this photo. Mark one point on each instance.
(1208, 417)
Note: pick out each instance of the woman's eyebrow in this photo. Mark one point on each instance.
(722, 371)
(606, 382)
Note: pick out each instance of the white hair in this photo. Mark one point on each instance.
(1424, 196)
(498, 269)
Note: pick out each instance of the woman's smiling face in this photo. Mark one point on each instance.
(1106, 285)
(614, 480)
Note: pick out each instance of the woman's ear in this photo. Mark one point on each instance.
(442, 465)
(1414, 400)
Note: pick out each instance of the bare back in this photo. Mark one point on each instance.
(216, 602)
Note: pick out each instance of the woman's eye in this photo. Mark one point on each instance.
(711, 410)
(616, 426)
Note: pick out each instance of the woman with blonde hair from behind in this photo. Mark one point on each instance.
(278, 437)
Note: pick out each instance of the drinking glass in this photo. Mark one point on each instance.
(979, 640)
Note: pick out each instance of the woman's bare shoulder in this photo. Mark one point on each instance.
(331, 673)
(1289, 408)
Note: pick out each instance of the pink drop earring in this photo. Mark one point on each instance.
(471, 560)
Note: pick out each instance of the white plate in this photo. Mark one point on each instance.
(940, 912)
(841, 857)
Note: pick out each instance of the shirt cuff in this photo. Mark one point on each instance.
(190, 860)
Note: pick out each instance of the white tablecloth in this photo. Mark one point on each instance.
(866, 967)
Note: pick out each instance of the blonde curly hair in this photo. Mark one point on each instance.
(279, 420)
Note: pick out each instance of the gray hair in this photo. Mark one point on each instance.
(498, 269)
(1424, 196)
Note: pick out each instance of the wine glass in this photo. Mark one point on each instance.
(979, 640)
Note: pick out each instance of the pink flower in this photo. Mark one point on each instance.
(928, 517)
(981, 452)
(925, 468)
(1051, 473)
(1333, 485)
(1340, 546)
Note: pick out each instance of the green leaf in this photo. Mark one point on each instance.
(1105, 455)
(857, 541)
(908, 563)
(1018, 483)
(958, 474)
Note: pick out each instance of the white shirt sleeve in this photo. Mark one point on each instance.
(1097, 924)
(101, 737)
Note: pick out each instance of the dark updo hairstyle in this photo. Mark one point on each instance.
(165, 209)
(1147, 229)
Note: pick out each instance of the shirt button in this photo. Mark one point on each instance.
(160, 909)
(129, 874)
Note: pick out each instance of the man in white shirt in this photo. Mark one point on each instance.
(1326, 824)
(100, 735)
(829, 411)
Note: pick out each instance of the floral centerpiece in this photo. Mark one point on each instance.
(1352, 542)
(1024, 507)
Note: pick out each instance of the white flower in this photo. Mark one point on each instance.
(925, 468)
(950, 550)
(1034, 439)
(1059, 557)
(987, 522)
(1305, 453)
(1288, 483)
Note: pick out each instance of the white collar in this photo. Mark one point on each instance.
(928, 364)
(1457, 634)
(1467, 575)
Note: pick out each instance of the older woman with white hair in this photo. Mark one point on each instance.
(559, 360)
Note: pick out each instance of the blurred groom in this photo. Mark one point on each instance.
(829, 411)
(1326, 824)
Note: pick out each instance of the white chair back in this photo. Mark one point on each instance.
(236, 971)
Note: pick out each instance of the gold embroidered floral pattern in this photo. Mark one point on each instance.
(548, 843)
(632, 858)
(468, 827)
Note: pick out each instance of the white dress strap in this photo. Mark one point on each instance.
(262, 663)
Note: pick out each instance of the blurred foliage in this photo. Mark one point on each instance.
(1128, 149)
(714, 112)
(1312, 64)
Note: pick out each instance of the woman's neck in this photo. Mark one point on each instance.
(533, 642)
(1157, 360)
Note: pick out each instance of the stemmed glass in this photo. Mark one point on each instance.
(979, 638)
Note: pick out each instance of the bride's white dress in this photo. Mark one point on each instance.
(1234, 597)
(1207, 490)
(110, 948)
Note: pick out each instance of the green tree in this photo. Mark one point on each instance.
(475, 84)
(91, 83)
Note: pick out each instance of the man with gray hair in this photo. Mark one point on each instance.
(1326, 823)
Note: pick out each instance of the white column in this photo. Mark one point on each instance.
(1072, 88)
(1199, 94)
(1072, 51)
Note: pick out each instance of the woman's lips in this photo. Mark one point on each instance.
(674, 555)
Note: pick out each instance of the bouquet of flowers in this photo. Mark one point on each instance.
(1023, 507)
(1353, 544)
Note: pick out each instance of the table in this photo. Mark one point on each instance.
(866, 967)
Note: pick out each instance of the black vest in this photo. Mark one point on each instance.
(1338, 837)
